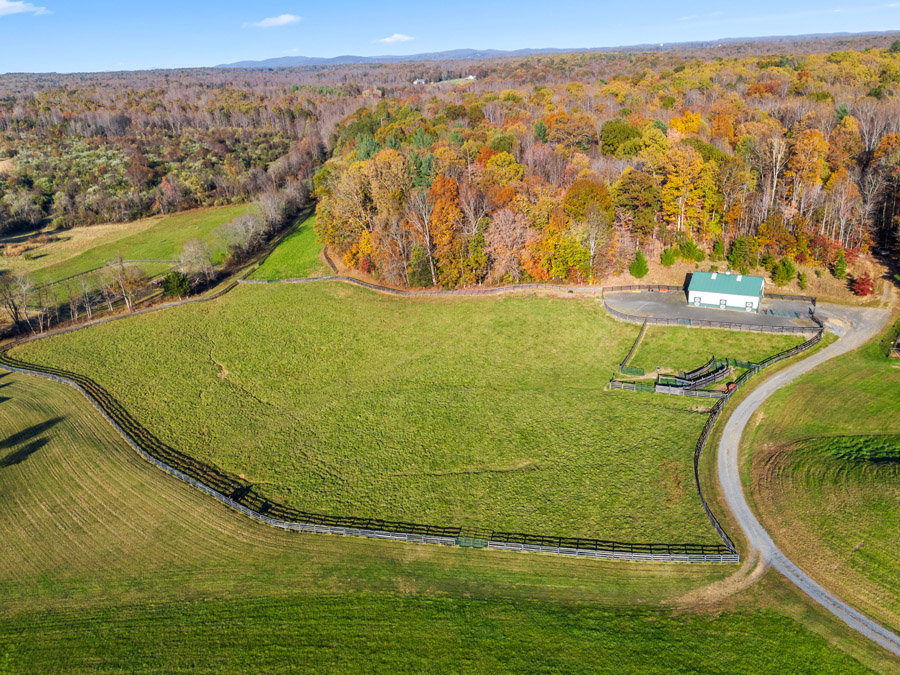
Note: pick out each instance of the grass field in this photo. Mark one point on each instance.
(109, 565)
(83, 249)
(825, 477)
(476, 412)
(676, 348)
(298, 256)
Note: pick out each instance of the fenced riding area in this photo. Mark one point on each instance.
(234, 493)
(694, 383)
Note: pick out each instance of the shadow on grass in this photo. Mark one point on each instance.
(24, 453)
(27, 434)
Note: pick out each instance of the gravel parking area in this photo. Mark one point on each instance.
(675, 306)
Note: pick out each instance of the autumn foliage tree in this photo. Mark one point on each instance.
(863, 285)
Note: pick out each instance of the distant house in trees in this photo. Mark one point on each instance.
(726, 291)
(419, 80)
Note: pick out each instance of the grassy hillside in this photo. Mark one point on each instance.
(108, 565)
(477, 412)
(826, 477)
(856, 393)
(82, 249)
(299, 255)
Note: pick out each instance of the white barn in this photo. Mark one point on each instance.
(725, 291)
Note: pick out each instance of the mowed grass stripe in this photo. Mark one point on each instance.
(110, 565)
(831, 506)
(852, 510)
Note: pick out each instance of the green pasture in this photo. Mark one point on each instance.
(856, 393)
(299, 255)
(163, 239)
(108, 565)
(480, 412)
(483, 412)
(826, 476)
(676, 348)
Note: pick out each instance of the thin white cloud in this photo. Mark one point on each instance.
(396, 37)
(273, 21)
(8, 7)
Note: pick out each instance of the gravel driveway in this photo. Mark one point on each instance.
(855, 326)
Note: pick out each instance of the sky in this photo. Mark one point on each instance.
(102, 35)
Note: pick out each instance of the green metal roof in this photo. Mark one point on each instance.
(733, 284)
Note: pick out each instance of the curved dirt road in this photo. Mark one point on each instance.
(855, 326)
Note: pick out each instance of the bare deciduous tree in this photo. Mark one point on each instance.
(419, 208)
(196, 260)
(9, 296)
(506, 239)
(127, 278)
(86, 297)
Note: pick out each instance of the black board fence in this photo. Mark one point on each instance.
(624, 367)
(787, 296)
(237, 494)
(707, 371)
(685, 391)
(699, 372)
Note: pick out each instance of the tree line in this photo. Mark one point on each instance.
(745, 160)
(121, 285)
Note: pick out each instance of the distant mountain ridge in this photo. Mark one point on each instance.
(450, 55)
(473, 54)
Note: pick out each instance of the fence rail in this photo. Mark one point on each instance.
(699, 372)
(787, 296)
(722, 371)
(648, 387)
(735, 363)
(477, 290)
(235, 493)
(684, 391)
(652, 387)
(624, 367)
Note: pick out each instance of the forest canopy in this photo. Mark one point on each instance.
(551, 167)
